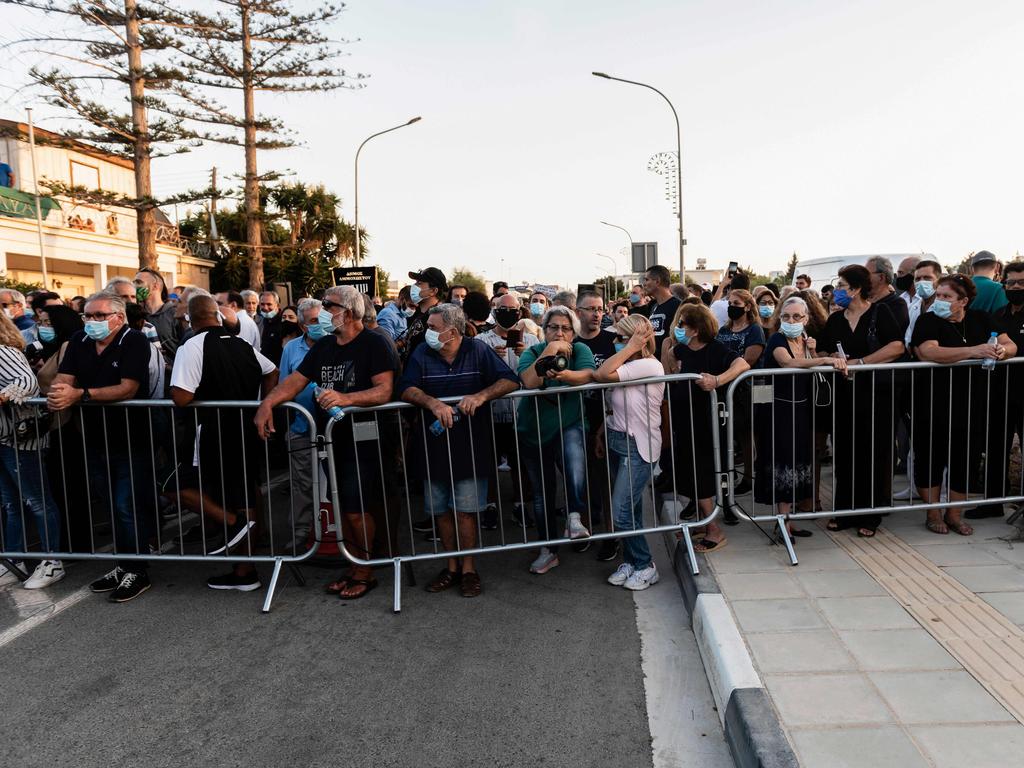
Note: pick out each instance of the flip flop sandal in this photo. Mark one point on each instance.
(337, 586)
(707, 545)
(832, 524)
(961, 528)
(800, 533)
(369, 584)
(937, 526)
(471, 586)
(866, 533)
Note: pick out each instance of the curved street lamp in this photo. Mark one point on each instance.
(679, 172)
(356, 200)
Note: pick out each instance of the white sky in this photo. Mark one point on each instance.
(821, 127)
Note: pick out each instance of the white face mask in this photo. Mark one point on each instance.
(10, 313)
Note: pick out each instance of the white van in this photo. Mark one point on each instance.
(826, 270)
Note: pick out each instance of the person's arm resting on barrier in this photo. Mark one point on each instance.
(709, 382)
(931, 352)
(64, 394)
(284, 392)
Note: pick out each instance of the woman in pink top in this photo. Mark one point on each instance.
(634, 441)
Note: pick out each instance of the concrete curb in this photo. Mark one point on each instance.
(752, 727)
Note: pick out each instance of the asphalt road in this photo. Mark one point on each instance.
(541, 670)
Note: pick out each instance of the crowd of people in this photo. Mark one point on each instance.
(582, 459)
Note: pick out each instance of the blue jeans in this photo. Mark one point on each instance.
(129, 481)
(23, 481)
(568, 453)
(632, 478)
(468, 496)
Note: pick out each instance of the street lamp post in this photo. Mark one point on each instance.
(615, 266)
(679, 166)
(356, 199)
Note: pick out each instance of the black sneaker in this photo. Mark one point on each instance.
(581, 546)
(489, 518)
(689, 511)
(236, 533)
(609, 550)
(517, 516)
(109, 582)
(131, 586)
(232, 580)
(426, 525)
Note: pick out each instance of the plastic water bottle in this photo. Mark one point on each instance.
(989, 363)
(334, 412)
(437, 428)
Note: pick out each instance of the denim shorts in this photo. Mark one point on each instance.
(469, 496)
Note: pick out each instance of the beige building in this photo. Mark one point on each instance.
(84, 244)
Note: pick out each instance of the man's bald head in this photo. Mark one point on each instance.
(202, 311)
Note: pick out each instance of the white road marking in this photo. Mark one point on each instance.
(44, 614)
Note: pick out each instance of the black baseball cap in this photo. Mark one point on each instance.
(982, 257)
(432, 276)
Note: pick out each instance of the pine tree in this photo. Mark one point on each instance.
(256, 46)
(791, 268)
(114, 45)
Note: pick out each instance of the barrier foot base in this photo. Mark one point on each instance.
(398, 585)
(15, 569)
(273, 586)
(690, 552)
(785, 538)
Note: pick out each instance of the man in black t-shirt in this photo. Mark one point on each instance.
(353, 366)
(658, 285)
(106, 363)
(590, 309)
(429, 288)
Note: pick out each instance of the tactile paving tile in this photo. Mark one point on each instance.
(990, 646)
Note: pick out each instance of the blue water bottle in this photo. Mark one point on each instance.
(437, 428)
(334, 412)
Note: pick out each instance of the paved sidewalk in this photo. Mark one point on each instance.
(842, 645)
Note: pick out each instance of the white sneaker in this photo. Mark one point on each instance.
(504, 467)
(576, 529)
(545, 561)
(46, 573)
(905, 494)
(7, 576)
(642, 579)
(620, 576)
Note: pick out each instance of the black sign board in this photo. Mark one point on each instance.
(363, 279)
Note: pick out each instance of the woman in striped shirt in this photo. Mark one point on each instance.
(23, 480)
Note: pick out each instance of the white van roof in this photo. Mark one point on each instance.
(825, 269)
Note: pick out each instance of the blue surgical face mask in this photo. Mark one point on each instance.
(46, 333)
(792, 330)
(765, 311)
(634, 298)
(29, 312)
(433, 339)
(536, 308)
(680, 335)
(97, 330)
(414, 294)
(326, 322)
(841, 297)
(924, 289)
(315, 331)
(941, 308)
(409, 312)
(269, 315)
(619, 346)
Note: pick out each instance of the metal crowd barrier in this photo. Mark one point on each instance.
(786, 418)
(378, 456)
(124, 482)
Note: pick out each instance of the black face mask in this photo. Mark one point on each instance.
(735, 313)
(506, 316)
(904, 282)
(1015, 296)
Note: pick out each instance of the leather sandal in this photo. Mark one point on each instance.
(471, 586)
(444, 580)
(368, 585)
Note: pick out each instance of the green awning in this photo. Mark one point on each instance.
(22, 205)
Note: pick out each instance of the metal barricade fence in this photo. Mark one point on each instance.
(144, 480)
(386, 466)
(954, 423)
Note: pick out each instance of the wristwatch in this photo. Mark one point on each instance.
(86, 397)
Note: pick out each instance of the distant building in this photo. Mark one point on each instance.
(84, 244)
